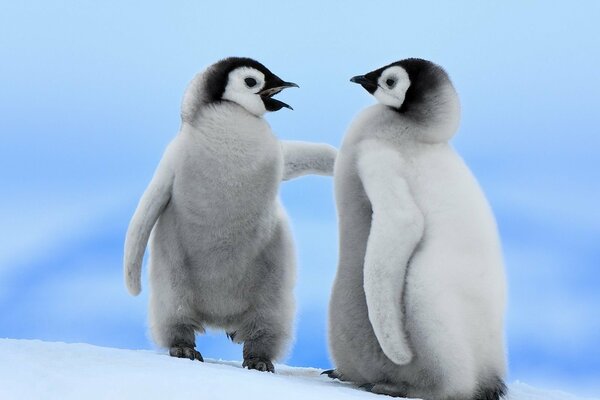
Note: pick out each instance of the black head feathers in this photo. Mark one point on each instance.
(217, 75)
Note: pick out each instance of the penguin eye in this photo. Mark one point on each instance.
(250, 82)
(390, 82)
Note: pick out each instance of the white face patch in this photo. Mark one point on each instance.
(392, 86)
(243, 85)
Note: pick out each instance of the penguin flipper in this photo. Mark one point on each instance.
(150, 207)
(396, 229)
(303, 158)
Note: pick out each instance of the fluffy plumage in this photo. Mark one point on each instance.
(418, 301)
(221, 252)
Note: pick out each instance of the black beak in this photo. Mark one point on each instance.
(369, 85)
(272, 87)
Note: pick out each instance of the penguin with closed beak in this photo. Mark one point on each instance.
(221, 252)
(417, 308)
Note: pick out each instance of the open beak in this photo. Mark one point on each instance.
(367, 83)
(272, 87)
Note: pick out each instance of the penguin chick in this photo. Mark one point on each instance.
(221, 252)
(418, 301)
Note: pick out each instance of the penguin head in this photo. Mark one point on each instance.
(415, 88)
(246, 82)
(388, 84)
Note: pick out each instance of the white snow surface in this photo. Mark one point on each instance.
(33, 369)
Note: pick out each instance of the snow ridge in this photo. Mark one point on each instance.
(33, 369)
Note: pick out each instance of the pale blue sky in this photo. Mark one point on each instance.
(90, 94)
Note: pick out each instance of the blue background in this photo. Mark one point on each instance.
(90, 94)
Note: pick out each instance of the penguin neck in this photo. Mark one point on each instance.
(225, 111)
(227, 125)
(383, 122)
(436, 120)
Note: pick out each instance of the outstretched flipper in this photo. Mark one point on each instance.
(396, 229)
(151, 205)
(302, 158)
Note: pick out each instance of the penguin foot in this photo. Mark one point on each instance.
(259, 364)
(185, 352)
(384, 388)
(332, 373)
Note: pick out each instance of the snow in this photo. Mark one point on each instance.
(33, 369)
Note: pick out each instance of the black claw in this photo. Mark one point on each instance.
(176, 352)
(185, 352)
(231, 335)
(189, 353)
(259, 364)
(331, 373)
(367, 386)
